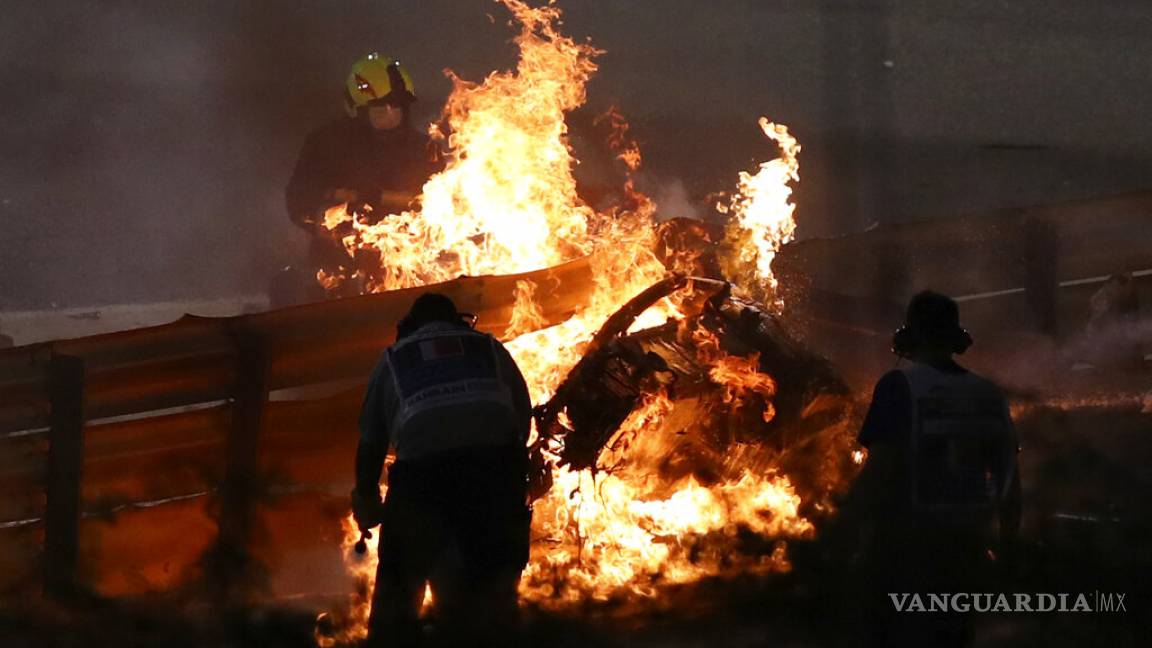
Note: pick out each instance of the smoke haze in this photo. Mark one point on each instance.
(146, 146)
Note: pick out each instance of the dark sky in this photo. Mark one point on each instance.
(146, 145)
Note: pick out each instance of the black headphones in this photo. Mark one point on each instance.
(906, 340)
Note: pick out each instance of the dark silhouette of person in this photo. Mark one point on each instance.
(940, 490)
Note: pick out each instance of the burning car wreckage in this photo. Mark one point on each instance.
(723, 397)
(771, 425)
(683, 430)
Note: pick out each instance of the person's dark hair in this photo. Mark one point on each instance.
(428, 308)
(931, 318)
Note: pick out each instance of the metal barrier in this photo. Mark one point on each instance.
(56, 397)
(1031, 252)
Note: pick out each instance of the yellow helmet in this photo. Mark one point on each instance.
(377, 78)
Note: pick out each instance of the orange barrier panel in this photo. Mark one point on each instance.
(192, 360)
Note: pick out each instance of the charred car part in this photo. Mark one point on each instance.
(619, 370)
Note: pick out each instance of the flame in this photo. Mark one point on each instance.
(352, 625)
(739, 377)
(506, 202)
(762, 214)
(527, 315)
(627, 531)
(631, 544)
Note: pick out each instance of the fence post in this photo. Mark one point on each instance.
(240, 487)
(62, 485)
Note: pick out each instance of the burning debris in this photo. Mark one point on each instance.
(682, 431)
(724, 351)
(689, 412)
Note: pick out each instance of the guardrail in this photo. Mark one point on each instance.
(1031, 252)
(56, 397)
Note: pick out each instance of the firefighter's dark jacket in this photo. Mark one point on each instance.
(348, 154)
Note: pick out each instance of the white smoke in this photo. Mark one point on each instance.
(672, 200)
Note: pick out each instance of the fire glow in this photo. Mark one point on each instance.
(505, 203)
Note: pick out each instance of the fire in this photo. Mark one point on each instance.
(506, 202)
(740, 377)
(631, 544)
(762, 214)
(352, 626)
(626, 531)
(527, 316)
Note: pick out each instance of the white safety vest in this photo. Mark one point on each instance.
(961, 444)
(443, 380)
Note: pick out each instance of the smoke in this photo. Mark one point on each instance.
(127, 179)
(1038, 369)
(1119, 345)
(147, 145)
(672, 200)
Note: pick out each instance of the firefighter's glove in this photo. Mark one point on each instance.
(367, 508)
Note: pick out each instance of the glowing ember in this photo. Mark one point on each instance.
(506, 202)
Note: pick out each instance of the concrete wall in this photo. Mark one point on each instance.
(146, 145)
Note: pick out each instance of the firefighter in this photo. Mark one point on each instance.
(454, 407)
(940, 490)
(373, 158)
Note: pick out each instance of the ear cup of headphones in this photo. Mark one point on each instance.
(904, 341)
(963, 341)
